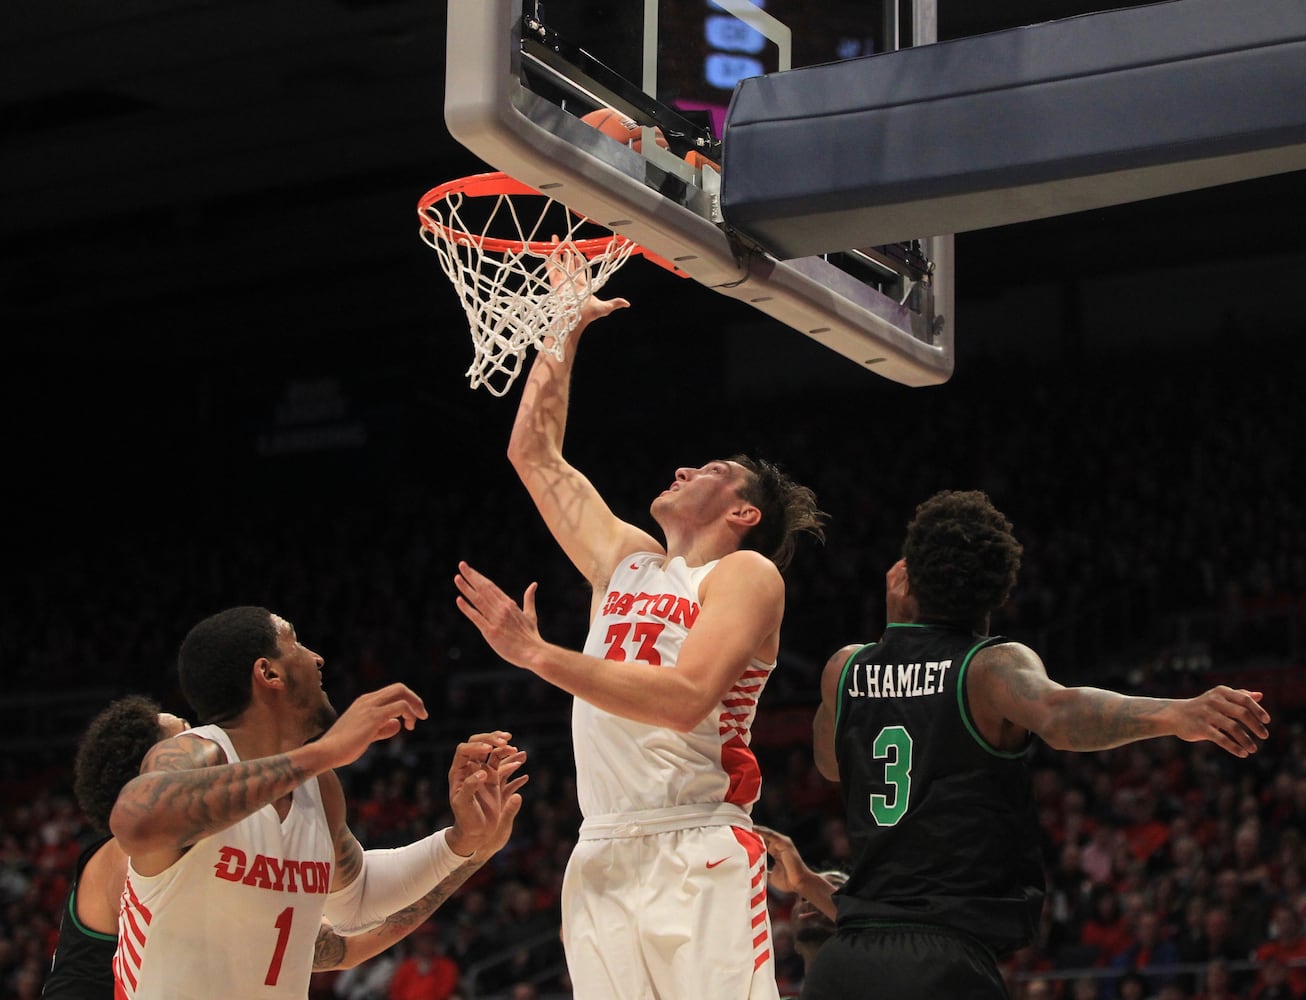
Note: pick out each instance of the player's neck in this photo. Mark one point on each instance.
(261, 732)
(700, 545)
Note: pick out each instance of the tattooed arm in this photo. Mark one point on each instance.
(501, 801)
(370, 886)
(187, 791)
(1011, 694)
(336, 951)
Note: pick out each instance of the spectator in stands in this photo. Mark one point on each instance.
(1286, 948)
(1133, 986)
(1145, 832)
(1217, 939)
(1105, 927)
(428, 973)
(1069, 896)
(1247, 906)
(1274, 982)
(370, 980)
(1217, 982)
(1149, 948)
(1098, 857)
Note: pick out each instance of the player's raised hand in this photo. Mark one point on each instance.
(511, 631)
(483, 750)
(568, 268)
(483, 793)
(377, 715)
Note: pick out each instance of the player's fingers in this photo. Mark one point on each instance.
(481, 743)
(508, 768)
(472, 753)
(465, 568)
(475, 584)
(512, 806)
(528, 601)
(403, 705)
(511, 788)
(465, 586)
(398, 699)
(1232, 739)
(468, 609)
(472, 783)
(498, 736)
(1246, 710)
(1256, 706)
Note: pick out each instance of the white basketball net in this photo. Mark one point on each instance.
(506, 270)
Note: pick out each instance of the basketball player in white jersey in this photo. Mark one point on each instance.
(664, 896)
(235, 831)
(109, 756)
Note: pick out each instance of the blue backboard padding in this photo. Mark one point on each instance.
(1016, 125)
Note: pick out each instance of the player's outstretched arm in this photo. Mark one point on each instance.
(367, 887)
(187, 791)
(498, 799)
(742, 604)
(580, 520)
(1008, 684)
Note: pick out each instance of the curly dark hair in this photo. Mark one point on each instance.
(110, 754)
(787, 508)
(962, 558)
(216, 657)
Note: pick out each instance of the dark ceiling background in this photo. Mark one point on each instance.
(207, 209)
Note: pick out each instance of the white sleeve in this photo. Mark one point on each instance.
(390, 880)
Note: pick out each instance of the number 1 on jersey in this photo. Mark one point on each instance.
(284, 920)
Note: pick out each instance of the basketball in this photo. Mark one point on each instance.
(696, 159)
(615, 125)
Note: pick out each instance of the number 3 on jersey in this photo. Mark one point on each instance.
(894, 746)
(645, 634)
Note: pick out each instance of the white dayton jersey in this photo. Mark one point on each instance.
(624, 766)
(237, 916)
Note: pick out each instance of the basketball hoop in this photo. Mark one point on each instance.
(502, 245)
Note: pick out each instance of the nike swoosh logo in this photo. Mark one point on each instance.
(713, 864)
(634, 565)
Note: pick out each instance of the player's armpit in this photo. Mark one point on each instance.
(1010, 694)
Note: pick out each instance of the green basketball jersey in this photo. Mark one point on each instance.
(943, 825)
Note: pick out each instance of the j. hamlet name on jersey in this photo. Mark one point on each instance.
(898, 680)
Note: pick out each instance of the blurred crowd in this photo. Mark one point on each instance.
(1163, 547)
